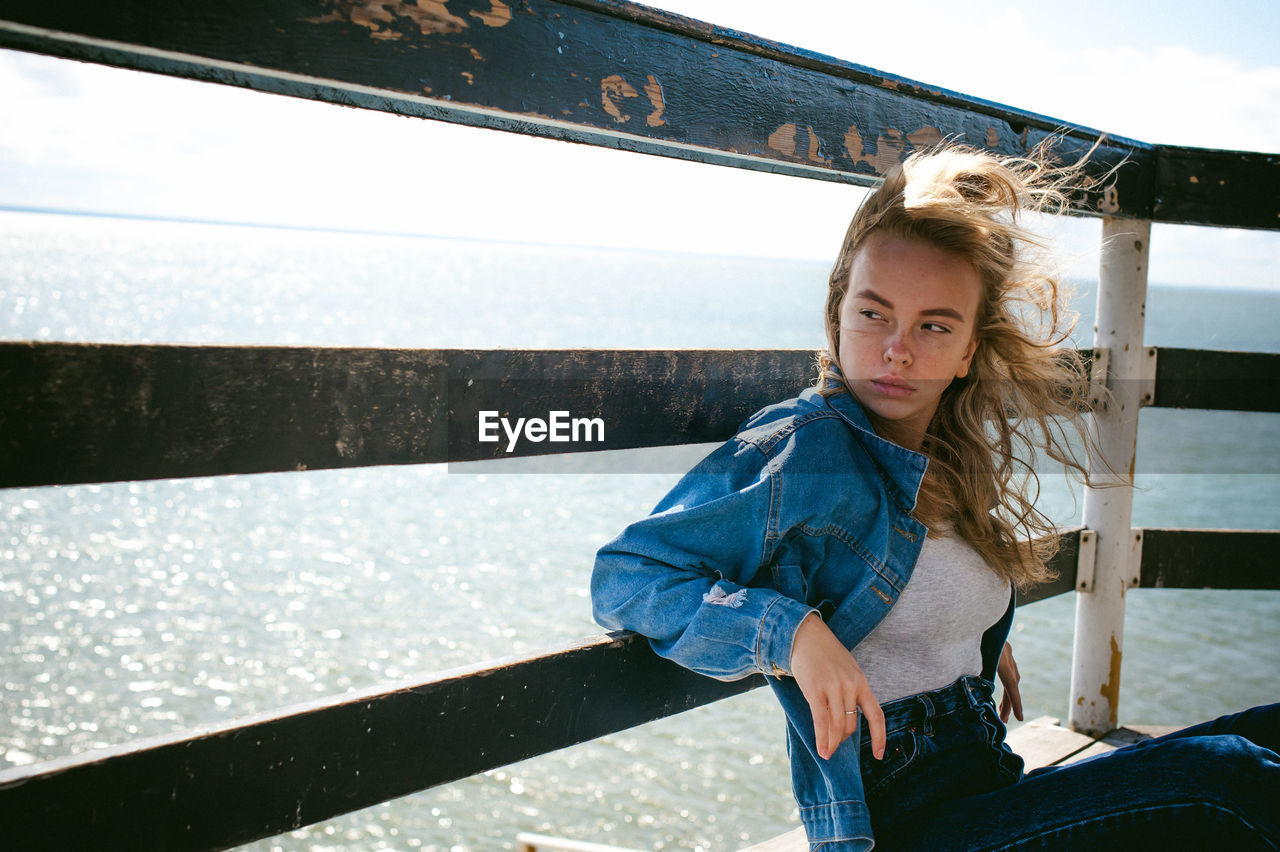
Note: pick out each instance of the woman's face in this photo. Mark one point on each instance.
(907, 330)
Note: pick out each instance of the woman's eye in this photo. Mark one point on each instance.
(936, 327)
(870, 314)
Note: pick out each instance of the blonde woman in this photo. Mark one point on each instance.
(860, 545)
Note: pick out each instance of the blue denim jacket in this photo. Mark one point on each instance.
(805, 509)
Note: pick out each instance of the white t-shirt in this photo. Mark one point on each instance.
(933, 634)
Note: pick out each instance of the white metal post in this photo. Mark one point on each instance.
(1099, 629)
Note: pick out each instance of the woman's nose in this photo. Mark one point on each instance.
(896, 351)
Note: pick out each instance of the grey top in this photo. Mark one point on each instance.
(933, 635)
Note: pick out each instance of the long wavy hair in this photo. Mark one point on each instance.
(1025, 393)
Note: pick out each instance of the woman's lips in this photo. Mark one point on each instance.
(893, 386)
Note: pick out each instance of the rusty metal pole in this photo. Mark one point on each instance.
(1099, 627)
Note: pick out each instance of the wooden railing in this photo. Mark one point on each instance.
(596, 71)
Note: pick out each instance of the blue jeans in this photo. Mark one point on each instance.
(948, 781)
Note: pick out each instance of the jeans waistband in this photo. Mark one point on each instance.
(968, 692)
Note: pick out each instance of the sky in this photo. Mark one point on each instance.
(74, 135)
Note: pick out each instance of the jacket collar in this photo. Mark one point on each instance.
(904, 469)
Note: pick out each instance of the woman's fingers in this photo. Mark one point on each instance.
(821, 724)
(838, 729)
(875, 724)
(835, 687)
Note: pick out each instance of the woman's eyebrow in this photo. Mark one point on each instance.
(873, 296)
(950, 313)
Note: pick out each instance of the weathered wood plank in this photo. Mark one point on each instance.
(272, 773)
(597, 71)
(1042, 742)
(1228, 188)
(1210, 559)
(792, 841)
(1119, 738)
(527, 841)
(104, 412)
(1215, 379)
(93, 413)
(1063, 565)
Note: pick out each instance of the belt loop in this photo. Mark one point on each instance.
(927, 722)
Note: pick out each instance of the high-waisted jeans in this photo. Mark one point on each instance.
(948, 782)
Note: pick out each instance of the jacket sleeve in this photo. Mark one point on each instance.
(694, 576)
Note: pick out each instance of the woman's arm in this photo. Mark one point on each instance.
(687, 576)
(1009, 678)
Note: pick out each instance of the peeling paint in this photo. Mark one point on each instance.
(783, 140)
(385, 19)
(612, 87)
(469, 77)
(993, 137)
(925, 137)
(615, 87)
(499, 14)
(815, 149)
(1195, 179)
(890, 148)
(1111, 689)
(653, 91)
(1110, 202)
(798, 142)
(475, 54)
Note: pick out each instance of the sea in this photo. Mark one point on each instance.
(136, 609)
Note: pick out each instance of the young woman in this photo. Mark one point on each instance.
(860, 545)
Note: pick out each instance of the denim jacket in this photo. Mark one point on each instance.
(806, 509)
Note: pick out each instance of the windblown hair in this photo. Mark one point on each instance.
(1025, 392)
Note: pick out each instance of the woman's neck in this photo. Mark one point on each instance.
(902, 434)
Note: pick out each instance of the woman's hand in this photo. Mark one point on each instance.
(835, 688)
(1007, 669)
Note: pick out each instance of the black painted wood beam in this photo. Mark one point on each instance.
(1226, 188)
(598, 71)
(1216, 379)
(108, 412)
(1210, 559)
(1063, 565)
(271, 773)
